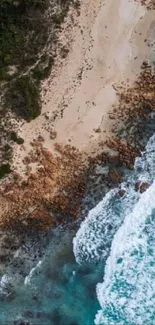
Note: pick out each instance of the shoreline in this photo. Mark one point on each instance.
(86, 79)
(87, 137)
(73, 124)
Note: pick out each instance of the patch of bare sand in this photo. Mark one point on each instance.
(107, 43)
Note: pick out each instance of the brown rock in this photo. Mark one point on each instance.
(121, 192)
(113, 159)
(144, 187)
(114, 176)
(141, 187)
(137, 186)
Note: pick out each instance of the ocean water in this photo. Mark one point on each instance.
(127, 293)
(57, 291)
(105, 275)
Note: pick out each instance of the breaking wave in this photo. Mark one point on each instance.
(127, 225)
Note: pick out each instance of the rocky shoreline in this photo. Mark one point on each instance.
(61, 185)
(60, 180)
(67, 185)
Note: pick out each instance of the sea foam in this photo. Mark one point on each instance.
(127, 294)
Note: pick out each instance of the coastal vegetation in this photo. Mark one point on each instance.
(28, 38)
(4, 170)
(15, 138)
(28, 46)
(22, 34)
(24, 98)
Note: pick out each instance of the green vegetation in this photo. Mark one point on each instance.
(43, 68)
(15, 138)
(25, 30)
(7, 152)
(22, 33)
(4, 170)
(28, 46)
(24, 98)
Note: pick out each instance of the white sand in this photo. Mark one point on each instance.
(107, 47)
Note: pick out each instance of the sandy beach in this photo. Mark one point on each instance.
(106, 48)
(77, 180)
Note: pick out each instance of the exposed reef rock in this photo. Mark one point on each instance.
(55, 191)
(141, 186)
(135, 119)
(127, 154)
(57, 185)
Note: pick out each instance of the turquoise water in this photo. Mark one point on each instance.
(106, 276)
(57, 291)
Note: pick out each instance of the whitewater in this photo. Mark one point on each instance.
(122, 232)
(112, 280)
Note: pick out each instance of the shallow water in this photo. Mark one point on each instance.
(114, 247)
(57, 291)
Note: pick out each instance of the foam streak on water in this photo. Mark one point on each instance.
(93, 240)
(127, 294)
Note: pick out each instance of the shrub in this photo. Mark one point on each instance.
(43, 69)
(4, 170)
(17, 22)
(24, 98)
(15, 138)
(7, 152)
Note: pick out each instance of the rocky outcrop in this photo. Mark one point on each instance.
(57, 185)
(126, 153)
(134, 119)
(57, 188)
(141, 186)
(121, 192)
